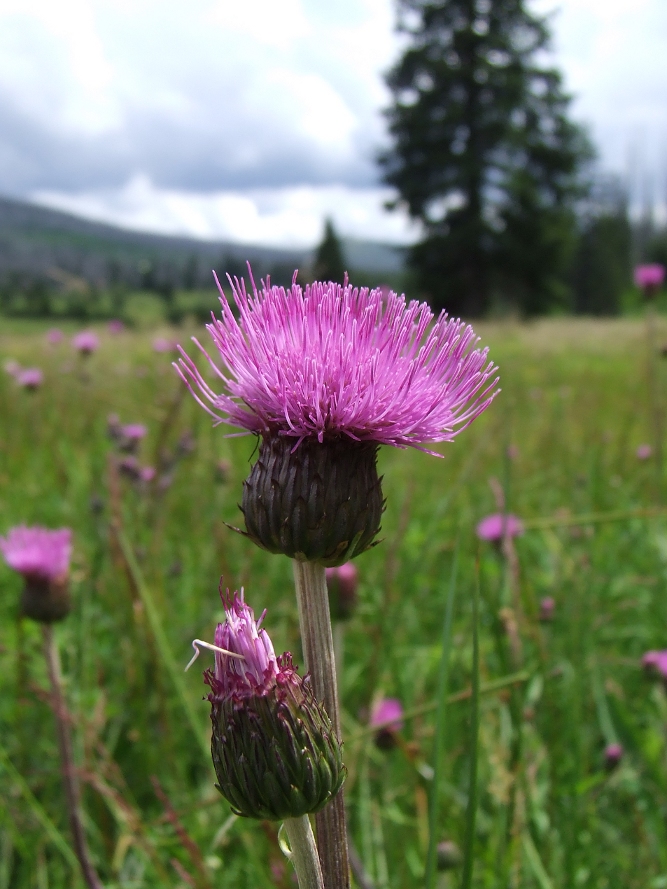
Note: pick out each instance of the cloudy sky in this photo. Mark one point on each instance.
(252, 120)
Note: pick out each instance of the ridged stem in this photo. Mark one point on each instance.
(318, 651)
(303, 853)
(70, 782)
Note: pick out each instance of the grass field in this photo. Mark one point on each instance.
(559, 444)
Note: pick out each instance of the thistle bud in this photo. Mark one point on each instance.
(274, 748)
(342, 587)
(318, 502)
(42, 558)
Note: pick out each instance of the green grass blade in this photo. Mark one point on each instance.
(174, 671)
(50, 829)
(471, 812)
(442, 701)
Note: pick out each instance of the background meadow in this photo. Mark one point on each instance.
(558, 446)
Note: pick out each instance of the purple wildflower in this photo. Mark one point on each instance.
(274, 749)
(38, 552)
(649, 276)
(387, 713)
(115, 326)
(86, 342)
(613, 754)
(336, 361)
(30, 378)
(133, 432)
(13, 368)
(496, 525)
(644, 452)
(42, 558)
(387, 717)
(147, 474)
(254, 674)
(54, 336)
(655, 662)
(160, 344)
(342, 583)
(547, 609)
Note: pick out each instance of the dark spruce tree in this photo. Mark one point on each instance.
(484, 156)
(329, 262)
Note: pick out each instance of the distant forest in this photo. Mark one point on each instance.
(55, 265)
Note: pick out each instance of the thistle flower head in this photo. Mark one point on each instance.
(86, 342)
(655, 663)
(342, 582)
(42, 558)
(274, 749)
(38, 552)
(54, 336)
(613, 754)
(336, 361)
(387, 718)
(255, 673)
(495, 526)
(649, 276)
(30, 378)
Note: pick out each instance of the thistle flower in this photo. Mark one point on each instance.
(342, 583)
(115, 326)
(42, 557)
(613, 754)
(387, 716)
(30, 378)
(86, 342)
(649, 277)
(160, 344)
(325, 376)
(644, 452)
(130, 435)
(54, 336)
(496, 525)
(655, 664)
(547, 609)
(274, 749)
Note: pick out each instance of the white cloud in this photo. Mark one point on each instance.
(283, 217)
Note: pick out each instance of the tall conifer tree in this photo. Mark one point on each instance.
(484, 155)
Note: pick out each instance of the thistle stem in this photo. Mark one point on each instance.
(71, 785)
(318, 651)
(304, 852)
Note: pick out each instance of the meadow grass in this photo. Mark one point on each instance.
(559, 443)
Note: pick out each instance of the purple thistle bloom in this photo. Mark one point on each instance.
(37, 552)
(86, 342)
(133, 432)
(274, 749)
(342, 582)
(649, 276)
(387, 717)
(644, 452)
(256, 673)
(115, 326)
(655, 662)
(336, 361)
(494, 526)
(547, 609)
(54, 336)
(613, 754)
(387, 713)
(30, 378)
(160, 344)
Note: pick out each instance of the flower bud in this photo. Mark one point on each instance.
(317, 502)
(448, 855)
(613, 754)
(274, 748)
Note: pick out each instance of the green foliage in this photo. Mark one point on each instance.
(484, 156)
(329, 262)
(574, 404)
